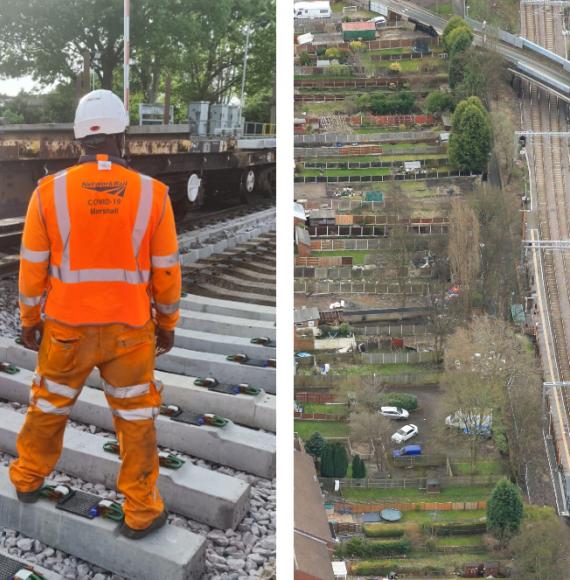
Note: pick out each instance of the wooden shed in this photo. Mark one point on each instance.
(358, 31)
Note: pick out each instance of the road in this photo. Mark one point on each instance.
(510, 53)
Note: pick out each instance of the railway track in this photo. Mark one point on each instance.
(223, 501)
(543, 112)
(11, 228)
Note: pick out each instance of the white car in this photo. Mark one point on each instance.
(405, 434)
(378, 21)
(394, 412)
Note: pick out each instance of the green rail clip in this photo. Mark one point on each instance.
(9, 368)
(164, 459)
(253, 362)
(213, 385)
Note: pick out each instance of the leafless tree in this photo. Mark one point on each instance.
(463, 248)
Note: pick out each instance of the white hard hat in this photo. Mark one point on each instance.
(100, 112)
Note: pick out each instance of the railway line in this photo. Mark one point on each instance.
(222, 495)
(548, 157)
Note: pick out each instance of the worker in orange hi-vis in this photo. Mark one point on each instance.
(100, 258)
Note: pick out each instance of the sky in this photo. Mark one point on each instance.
(12, 87)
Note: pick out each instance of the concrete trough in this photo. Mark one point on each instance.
(40, 570)
(220, 344)
(235, 446)
(232, 325)
(257, 412)
(170, 552)
(209, 305)
(205, 496)
(206, 364)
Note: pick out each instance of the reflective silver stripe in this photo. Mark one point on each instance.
(167, 308)
(136, 414)
(165, 261)
(143, 213)
(58, 389)
(30, 300)
(34, 256)
(126, 392)
(47, 407)
(62, 214)
(99, 275)
(64, 273)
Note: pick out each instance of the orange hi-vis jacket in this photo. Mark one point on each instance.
(99, 247)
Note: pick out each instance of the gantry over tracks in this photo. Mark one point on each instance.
(193, 168)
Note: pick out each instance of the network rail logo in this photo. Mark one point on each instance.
(109, 187)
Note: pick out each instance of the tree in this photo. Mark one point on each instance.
(315, 444)
(199, 43)
(340, 459)
(540, 549)
(453, 23)
(367, 426)
(327, 461)
(438, 101)
(358, 467)
(459, 40)
(471, 136)
(504, 510)
(463, 249)
(503, 131)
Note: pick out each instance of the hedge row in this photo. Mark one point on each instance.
(363, 548)
(377, 567)
(383, 531)
(450, 528)
(402, 400)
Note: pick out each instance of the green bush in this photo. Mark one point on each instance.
(305, 58)
(473, 528)
(403, 400)
(377, 567)
(383, 531)
(438, 101)
(402, 102)
(363, 548)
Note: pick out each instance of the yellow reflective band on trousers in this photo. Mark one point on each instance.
(125, 358)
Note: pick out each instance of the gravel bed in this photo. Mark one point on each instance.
(247, 552)
(9, 308)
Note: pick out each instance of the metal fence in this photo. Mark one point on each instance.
(368, 164)
(423, 175)
(390, 358)
(393, 330)
(350, 287)
(335, 138)
(306, 152)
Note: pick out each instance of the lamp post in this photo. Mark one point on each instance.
(247, 34)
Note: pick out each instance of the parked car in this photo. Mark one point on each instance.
(405, 433)
(407, 450)
(394, 412)
(473, 422)
(379, 21)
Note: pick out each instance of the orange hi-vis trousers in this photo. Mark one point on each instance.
(125, 358)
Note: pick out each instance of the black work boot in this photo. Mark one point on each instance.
(133, 534)
(29, 496)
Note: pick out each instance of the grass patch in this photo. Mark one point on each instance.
(382, 157)
(326, 409)
(463, 541)
(447, 516)
(481, 468)
(395, 369)
(444, 9)
(345, 172)
(357, 257)
(463, 493)
(326, 428)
